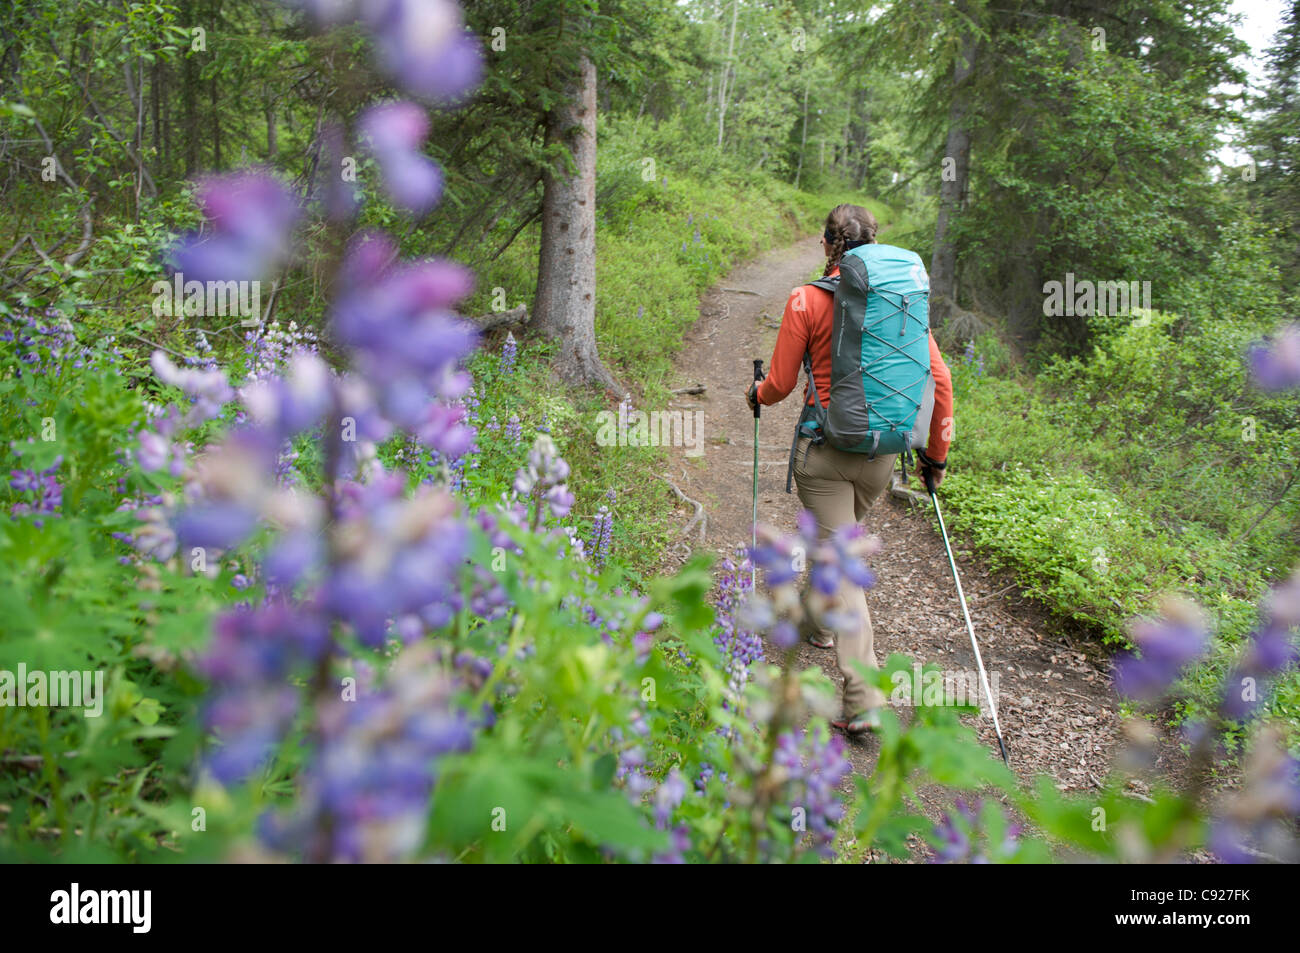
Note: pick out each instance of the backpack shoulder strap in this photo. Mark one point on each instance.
(826, 284)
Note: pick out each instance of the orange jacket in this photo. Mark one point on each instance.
(806, 326)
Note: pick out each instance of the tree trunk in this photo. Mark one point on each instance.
(565, 306)
(190, 97)
(952, 188)
(270, 130)
(723, 83)
(155, 96)
(216, 125)
(803, 139)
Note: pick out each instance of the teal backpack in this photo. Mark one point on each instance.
(882, 391)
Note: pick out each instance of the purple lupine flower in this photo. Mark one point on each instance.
(215, 525)
(423, 47)
(668, 797)
(51, 493)
(1165, 647)
(954, 839)
(630, 773)
(24, 480)
(780, 556)
(1276, 364)
(784, 634)
(154, 537)
(602, 529)
(514, 429)
(681, 842)
(560, 501)
(405, 343)
(957, 833)
(1271, 649)
(365, 795)
(509, 353)
(812, 768)
(153, 452)
(380, 577)
(293, 555)
(208, 389)
(396, 131)
(543, 480)
(1260, 815)
(286, 405)
(251, 216)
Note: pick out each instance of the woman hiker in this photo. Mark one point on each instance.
(837, 486)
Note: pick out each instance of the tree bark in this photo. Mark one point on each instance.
(565, 306)
(803, 139)
(190, 96)
(943, 264)
(723, 85)
(155, 95)
(270, 130)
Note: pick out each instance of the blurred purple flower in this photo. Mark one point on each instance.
(423, 46)
(396, 132)
(153, 452)
(1271, 649)
(215, 525)
(24, 480)
(251, 216)
(1276, 364)
(341, 197)
(1166, 647)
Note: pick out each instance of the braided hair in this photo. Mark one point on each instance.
(847, 226)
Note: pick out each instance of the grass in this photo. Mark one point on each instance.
(1039, 489)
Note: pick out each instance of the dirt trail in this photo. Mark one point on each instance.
(1057, 711)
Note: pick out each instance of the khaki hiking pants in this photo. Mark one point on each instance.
(838, 487)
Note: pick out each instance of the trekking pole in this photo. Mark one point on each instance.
(952, 563)
(753, 570)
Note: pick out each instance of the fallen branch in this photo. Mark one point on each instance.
(153, 344)
(693, 389)
(744, 291)
(992, 595)
(699, 516)
(501, 319)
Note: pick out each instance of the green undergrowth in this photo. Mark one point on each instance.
(1147, 468)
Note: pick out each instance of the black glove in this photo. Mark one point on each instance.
(931, 470)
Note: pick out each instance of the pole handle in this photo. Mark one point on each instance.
(758, 376)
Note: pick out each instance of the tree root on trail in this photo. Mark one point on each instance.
(699, 517)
